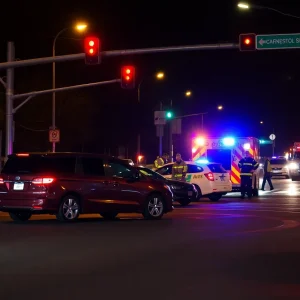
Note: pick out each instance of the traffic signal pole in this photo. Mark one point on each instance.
(9, 99)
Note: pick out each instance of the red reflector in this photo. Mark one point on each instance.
(1, 181)
(210, 176)
(22, 154)
(45, 180)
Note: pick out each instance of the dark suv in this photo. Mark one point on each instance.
(69, 184)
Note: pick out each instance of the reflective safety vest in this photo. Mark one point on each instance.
(247, 165)
(158, 162)
(179, 170)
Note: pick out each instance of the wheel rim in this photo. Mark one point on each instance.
(70, 209)
(155, 207)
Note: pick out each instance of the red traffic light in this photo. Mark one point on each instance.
(247, 42)
(92, 50)
(128, 77)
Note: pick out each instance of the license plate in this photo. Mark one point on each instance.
(190, 193)
(18, 186)
(276, 171)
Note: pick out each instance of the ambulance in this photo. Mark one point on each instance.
(228, 151)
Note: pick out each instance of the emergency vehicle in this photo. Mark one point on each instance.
(228, 151)
(294, 166)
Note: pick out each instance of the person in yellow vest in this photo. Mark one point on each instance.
(159, 162)
(179, 168)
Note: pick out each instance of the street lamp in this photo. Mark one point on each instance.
(220, 107)
(160, 75)
(261, 122)
(188, 93)
(80, 27)
(243, 5)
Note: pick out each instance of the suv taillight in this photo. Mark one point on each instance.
(210, 176)
(44, 180)
(1, 181)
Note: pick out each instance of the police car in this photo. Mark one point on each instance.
(210, 179)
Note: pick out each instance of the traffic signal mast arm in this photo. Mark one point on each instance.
(62, 58)
(67, 88)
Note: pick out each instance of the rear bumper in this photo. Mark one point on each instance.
(33, 205)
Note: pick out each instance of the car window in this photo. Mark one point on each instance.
(39, 164)
(93, 166)
(150, 173)
(216, 168)
(194, 169)
(278, 161)
(167, 170)
(115, 169)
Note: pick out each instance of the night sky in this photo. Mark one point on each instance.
(251, 86)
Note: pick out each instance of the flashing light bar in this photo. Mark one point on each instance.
(228, 141)
(246, 146)
(202, 161)
(200, 141)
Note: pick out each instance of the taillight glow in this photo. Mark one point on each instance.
(22, 154)
(45, 180)
(210, 176)
(1, 181)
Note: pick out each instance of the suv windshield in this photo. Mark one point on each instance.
(278, 161)
(150, 173)
(39, 164)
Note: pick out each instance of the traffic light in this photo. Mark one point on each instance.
(169, 115)
(92, 50)
(128, 77)
(247, 42)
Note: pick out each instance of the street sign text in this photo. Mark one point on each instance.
(278, 41)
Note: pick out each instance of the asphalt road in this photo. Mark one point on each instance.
(232, 249)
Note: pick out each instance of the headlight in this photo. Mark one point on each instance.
(293, 166)
(261, 165)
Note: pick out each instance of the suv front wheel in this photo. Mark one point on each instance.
(69, 209)
(20, 216)
(154, 207)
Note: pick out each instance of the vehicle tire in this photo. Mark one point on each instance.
(108, 215)
(199, 192)
(184, 202)
(154, 207)
(215, 197)
(20, 216)
(69, 209)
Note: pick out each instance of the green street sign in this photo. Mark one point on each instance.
(278, 41)
(265, 142)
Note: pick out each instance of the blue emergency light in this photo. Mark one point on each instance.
(202, 161)
(228, 141)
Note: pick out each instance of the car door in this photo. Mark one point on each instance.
(124, 194)
(94, 184)
(221, 177)
(195, 175)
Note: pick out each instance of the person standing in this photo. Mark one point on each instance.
(267, 175)
(179, 169)
(159, 162)
(247, 166)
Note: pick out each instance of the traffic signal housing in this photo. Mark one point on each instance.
(92, 50)
(128, 77)
(247, 42)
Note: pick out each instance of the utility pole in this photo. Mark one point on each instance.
(9, 100)
(160, 136)
(171, 136)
